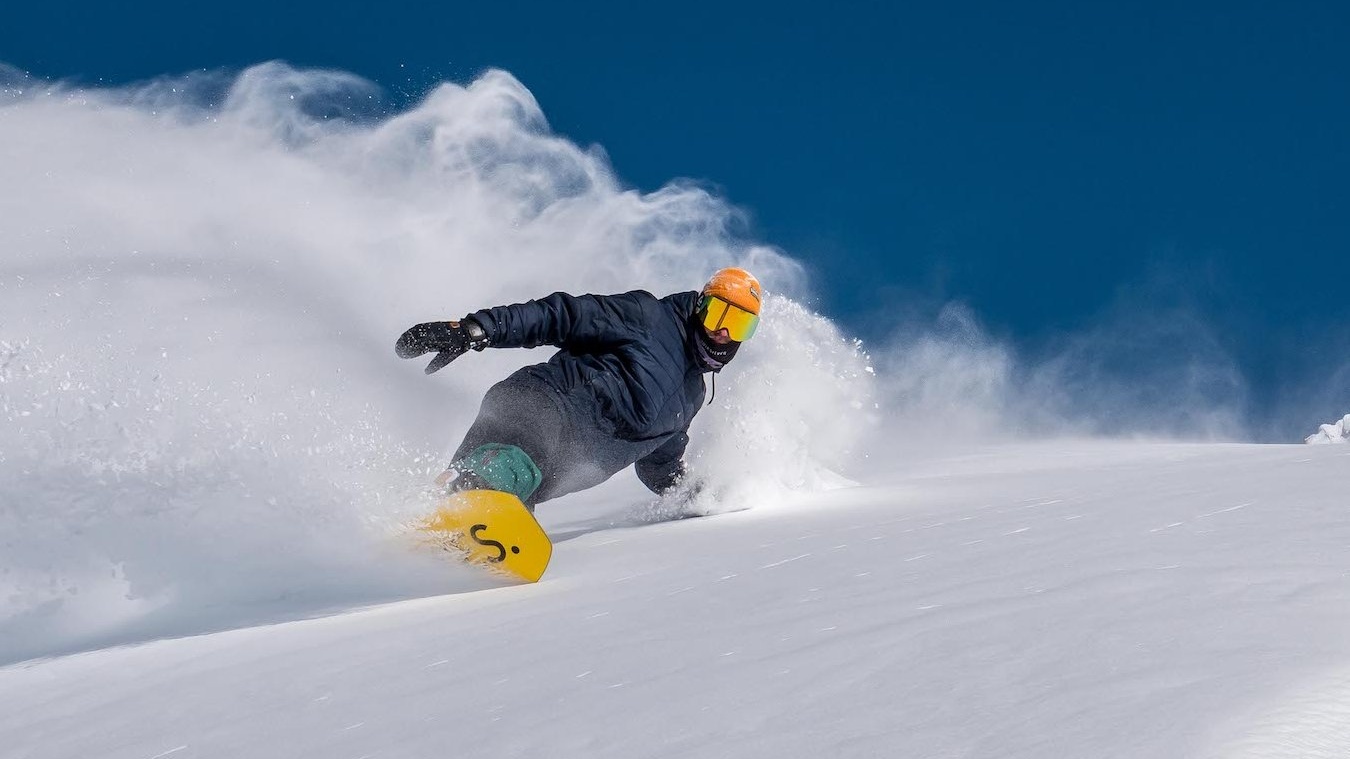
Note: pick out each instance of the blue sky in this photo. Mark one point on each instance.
(1044, 163)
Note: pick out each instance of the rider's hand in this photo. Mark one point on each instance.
(449, 340)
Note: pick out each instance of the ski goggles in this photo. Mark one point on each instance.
(716, 314)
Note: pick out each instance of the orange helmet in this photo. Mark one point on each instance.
(730, 301)
(735, 286)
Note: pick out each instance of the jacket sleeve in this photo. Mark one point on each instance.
(563, 320)
(661, 469)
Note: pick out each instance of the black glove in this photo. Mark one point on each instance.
(450, 340)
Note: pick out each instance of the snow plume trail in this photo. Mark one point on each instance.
(202, 422)
(790, 414)
(1148, 366)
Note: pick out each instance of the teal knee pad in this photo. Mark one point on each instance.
(503, 467)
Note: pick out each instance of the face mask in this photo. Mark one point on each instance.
(712, 355)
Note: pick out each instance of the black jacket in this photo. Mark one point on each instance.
(627, 375)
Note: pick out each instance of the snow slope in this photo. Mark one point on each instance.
(1069, 599)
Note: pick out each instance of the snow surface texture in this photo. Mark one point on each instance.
(1332, 433)
(1085, 599)
(204, 432)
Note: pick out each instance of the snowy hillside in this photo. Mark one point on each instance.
(1076, 599)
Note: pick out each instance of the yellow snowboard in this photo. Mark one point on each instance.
(492, 529)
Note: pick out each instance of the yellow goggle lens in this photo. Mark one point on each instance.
(716, 314)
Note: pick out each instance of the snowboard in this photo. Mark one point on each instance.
(493, 530)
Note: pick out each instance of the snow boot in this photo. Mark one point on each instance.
(497, 466)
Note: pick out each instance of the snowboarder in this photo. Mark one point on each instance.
(622, 388)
